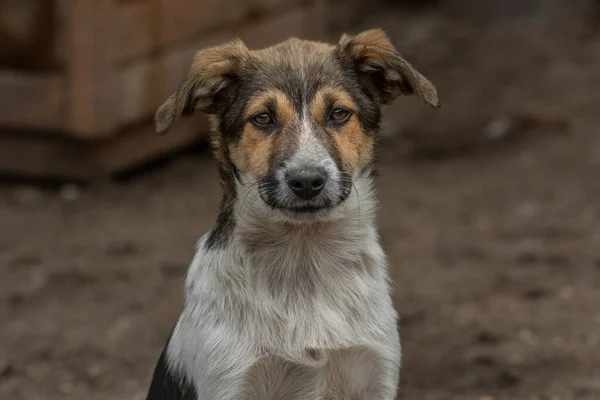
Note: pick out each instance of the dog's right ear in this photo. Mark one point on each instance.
(212, 70)
(374, 55)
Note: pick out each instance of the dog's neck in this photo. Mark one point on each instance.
(291, 263)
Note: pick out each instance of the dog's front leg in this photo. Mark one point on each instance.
(213, 358)
(364, 373)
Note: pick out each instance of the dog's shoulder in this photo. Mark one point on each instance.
(168, 384)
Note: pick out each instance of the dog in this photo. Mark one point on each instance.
(288, 296)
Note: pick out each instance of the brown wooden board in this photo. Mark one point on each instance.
(91, 84)
(143, 144)
(61, 158)
(27, 34)
(32, 100)
(97, 100)
(150, 26)
(145, 84)
(32, 156)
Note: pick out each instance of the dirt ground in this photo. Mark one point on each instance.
(489, 214)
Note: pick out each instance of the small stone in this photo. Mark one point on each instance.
(515, 359)
(25, 260)
(37, 281)
(566, 293)
(172, 269)
(66, 387)
(471, 252)
(140, 396)
(28, 195)
(558, 260)
(70, 192)
(6, 368)
(95, 370)
(498, 128)
(15, 300)
(528, 258)
(559, 342)
(534, 294)
(36, 370)
(527, 336)
(487, 338)
(122, 248)
(484, 223)
(485, 360)
(507, 379)
(527, 210)
(119, 328)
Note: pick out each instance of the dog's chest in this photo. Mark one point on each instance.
(314, 292)
(285, 307)
(316, 312)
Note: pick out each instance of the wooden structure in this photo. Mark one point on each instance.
(83, 107)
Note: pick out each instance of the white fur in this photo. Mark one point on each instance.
(291, 310)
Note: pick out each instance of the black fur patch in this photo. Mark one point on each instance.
(166, 385)
(220, 235)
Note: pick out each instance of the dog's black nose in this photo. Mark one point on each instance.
(306, 183)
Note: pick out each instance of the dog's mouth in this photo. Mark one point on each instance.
(306, 209)
(277, 196)
(301, 208)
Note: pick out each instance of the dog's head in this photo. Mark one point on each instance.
(296, 122)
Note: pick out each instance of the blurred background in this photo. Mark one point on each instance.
(489, 206)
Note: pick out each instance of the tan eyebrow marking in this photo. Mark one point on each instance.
(354, 146)
(283, 106)
(255, 150)
(329, 97)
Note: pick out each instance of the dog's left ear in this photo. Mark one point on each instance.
(213, 70)
(373, 54)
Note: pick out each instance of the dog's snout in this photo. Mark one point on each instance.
(306, 182)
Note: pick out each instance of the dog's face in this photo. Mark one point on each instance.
(296, 122)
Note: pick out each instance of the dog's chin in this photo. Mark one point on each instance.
(304, 213)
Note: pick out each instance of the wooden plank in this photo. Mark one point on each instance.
(91, 87)
(41, 157)
(142, 145)
(144, 85)
(72, 159)
(33, 101)
(148, 26)
(27, 34)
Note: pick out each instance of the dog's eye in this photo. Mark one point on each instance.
(339, 115)
(262, 120)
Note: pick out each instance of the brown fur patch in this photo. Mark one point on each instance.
(253, 152)
(354, 146)
(327, 99)
(208, 74)
(260, 104)
(372, 44)
(374, 53)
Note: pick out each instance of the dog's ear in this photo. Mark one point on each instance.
(373, 54)
(212, 70)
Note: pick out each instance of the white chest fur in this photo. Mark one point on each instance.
(288, 298)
